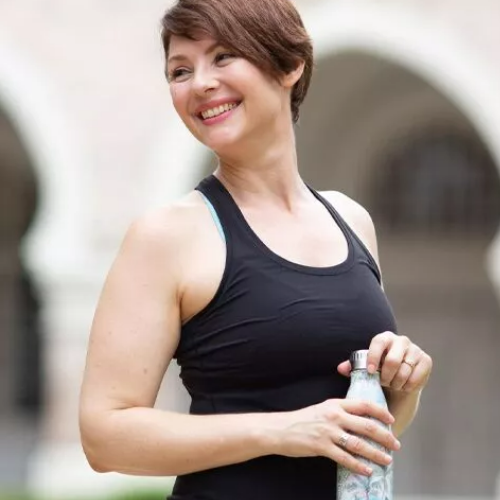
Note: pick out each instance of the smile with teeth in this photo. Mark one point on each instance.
(212, 113)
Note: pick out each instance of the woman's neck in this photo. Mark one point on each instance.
(266, 174)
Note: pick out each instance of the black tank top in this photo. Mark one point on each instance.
(270, 341)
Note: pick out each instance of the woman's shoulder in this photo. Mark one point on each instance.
(352, 211)
(356, 216)
(168, 228)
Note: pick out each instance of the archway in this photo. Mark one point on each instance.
(20, 370)
(43, 243)
(58, 236)
(378, 49)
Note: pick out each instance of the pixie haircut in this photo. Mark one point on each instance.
(268, 33)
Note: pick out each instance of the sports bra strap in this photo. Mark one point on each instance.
(214, 215)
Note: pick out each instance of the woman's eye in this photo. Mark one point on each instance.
(223, 56)
(177, 74)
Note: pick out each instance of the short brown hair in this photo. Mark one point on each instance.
(268, 33)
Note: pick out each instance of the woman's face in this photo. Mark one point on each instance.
(223, 99)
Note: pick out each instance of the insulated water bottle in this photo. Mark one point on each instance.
(378, 486)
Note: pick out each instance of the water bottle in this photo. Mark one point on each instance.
(378, 486)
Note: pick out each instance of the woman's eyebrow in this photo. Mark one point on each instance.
(182, 57)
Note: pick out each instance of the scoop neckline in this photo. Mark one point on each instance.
(342, 266)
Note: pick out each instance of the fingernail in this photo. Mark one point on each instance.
(398, 444)
(371, 368)
(368, 471)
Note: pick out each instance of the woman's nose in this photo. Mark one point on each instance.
(205, 81)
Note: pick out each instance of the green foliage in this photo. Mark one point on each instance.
(14, 496)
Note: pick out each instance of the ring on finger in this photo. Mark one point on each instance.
(411, 364)
(344, 439)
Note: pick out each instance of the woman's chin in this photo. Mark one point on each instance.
(221, 141)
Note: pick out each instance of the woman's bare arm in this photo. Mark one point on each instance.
(403, 405)
(134, 336)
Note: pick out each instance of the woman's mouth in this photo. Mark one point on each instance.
(217, 113)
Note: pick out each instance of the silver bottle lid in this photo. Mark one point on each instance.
(359, 360)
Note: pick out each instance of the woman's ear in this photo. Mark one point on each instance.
(290, 79)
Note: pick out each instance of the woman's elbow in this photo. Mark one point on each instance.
(95, 456)
(93, 442)
(95, 464)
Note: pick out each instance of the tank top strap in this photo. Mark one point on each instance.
(221, 206)
(360, 249)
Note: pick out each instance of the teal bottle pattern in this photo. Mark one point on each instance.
(352, 486)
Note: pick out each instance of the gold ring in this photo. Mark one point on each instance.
(344, 439)
(412, 364)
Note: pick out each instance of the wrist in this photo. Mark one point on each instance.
(269, 431)
(394, 395)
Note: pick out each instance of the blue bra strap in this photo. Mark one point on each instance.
(214, 215)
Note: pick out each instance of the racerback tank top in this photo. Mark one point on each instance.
(269, 341)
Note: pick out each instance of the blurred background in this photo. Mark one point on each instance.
(403, 115)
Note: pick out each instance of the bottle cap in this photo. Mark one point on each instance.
(359, 360)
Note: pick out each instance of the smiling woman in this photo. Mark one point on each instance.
(258, 285)
(269, 34)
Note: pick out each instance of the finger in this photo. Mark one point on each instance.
(411, 359)
(378, 346)
(344, 368)
(373, 430)
(362, 448)
(420, 374)
(369, 409)
(402, 377)
(393, 360)
(344, 458)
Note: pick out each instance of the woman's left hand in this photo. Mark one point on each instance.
(403, 365)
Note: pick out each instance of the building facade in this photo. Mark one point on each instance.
(403, 115)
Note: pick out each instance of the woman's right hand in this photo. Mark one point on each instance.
(319, 430)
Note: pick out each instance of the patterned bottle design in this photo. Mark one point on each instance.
(352, 486)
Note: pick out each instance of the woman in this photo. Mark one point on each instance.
(259, 286)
